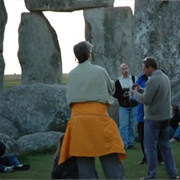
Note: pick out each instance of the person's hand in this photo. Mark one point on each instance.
(136, 87)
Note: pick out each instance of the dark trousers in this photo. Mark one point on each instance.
(140, 129)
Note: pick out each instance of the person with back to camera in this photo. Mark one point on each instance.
(9, 163)
(127, 106)
(141, 81)
(90, 131)
(156, 97)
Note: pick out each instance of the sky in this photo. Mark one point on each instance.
(67, 31)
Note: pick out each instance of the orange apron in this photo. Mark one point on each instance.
(91, 132)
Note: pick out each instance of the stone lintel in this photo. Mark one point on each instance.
(66, 5)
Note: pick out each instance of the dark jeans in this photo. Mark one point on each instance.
(8, 161)
(156, 132)
(140, 129)
(111, 166)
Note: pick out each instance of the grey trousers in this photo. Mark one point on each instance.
(111, 166)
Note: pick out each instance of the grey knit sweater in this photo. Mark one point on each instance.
(156, 97)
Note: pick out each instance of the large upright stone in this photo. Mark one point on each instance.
(2, 67)
(39, 52)
(110, 32)
(157, 33)
(66, 5)
(3, 21)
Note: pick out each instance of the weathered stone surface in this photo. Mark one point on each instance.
(110, 30)
(7, 127)
(2, 67)
(38, 141)
(66, 5)
(12, 147)
(114, 112)
(39, 52)
(157, 34)
(35, 108)
(3, 21)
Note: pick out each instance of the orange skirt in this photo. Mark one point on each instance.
(91, 132)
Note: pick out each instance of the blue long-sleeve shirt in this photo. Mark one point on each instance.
(140, 112)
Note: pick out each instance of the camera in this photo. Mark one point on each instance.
(126, 91)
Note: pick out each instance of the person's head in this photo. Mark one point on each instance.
(2, 148)
(149, 65)
(124, 69)
(175, 111)
(83, 51)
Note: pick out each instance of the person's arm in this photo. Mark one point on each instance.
(118, 91)
(149, 92)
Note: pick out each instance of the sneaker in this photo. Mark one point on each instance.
(146, 177)
(142, 162)
(172, 140)
(8, 169)
(22, 167)
(161, 163)
(177, 177)
(131, 147)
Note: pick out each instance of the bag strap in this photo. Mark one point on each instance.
(133, 79)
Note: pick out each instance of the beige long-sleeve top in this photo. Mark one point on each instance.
(89, 83)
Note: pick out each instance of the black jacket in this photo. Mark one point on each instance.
(123, 101)
(66, 170)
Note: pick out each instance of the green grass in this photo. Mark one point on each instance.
(12, 80)
(41, 165)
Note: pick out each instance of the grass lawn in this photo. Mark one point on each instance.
(15, 80)
(41, 165)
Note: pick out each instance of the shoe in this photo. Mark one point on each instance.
(177, 177)
(172, 140)
(21, 167)
(146, 177)
(131, 147)
(142, 162)
(161, 163)
(8, 169)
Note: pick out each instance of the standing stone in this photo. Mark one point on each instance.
(2, 67)
(157, 34)
(3, 21)
(66, 5)
(39, 52)
(110, 32)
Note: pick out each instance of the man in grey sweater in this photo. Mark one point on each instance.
(156, 98)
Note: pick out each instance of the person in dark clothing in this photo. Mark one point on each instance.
(174, 125)
(9, 163)
(127, 106)
(140, 126)
(66, 170)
